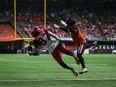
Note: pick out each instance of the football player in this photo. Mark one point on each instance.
(47, 39)
(78, 39)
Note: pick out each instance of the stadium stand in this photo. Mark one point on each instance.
(7, 33)
(93, 25)
(97, 18)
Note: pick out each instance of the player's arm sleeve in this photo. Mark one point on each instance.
(64, 29)
(36, 47)
(35, 43)
(34, 53)
(54, 36)
(72, 29)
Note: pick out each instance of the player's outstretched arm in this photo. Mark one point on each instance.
(33, 51)
(70, 28)
(36, 46)
(53, 35)
(62, 28)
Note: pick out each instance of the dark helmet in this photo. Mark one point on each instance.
(70, 21)
(35, 31)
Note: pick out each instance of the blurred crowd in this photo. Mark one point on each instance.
(95, 25)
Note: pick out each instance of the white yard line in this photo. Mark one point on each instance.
(25, 61)
(58, 80)
(97, 64)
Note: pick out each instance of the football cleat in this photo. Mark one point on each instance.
(74, 72)
(84, 70)
(95, 43)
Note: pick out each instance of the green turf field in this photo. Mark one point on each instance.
(21, 70)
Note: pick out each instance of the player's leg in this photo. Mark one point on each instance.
(80, 51)
(64, 65)
(58, 57)
(68, 52)
(91, 45)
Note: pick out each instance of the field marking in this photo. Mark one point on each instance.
(94, 64)
(97, 64)
(25, 61)
(58, 80)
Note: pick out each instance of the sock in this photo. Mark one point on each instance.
(81, 59)
(65, 65)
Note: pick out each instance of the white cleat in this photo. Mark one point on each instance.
(95, 43)
(84, 70)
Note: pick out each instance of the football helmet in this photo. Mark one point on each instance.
(35, 31)
(70, 21)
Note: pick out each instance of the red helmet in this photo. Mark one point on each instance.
(35, 31)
